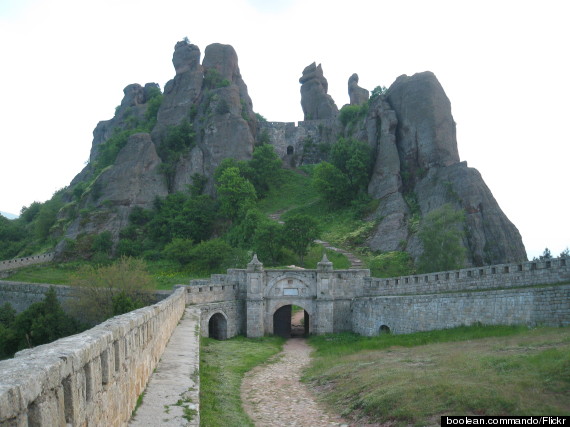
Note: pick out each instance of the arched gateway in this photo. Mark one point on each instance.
(272, 293)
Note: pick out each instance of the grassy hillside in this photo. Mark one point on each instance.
(416, 378)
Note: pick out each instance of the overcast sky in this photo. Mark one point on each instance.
(503, 64)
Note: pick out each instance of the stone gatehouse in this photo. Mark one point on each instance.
(257, 301)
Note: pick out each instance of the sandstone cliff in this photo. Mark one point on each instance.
(410, 129)
(417, 162)
(209, 101)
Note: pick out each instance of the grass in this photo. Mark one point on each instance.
(295, 191)
(222, 367)
(165, 273)
(416, 378)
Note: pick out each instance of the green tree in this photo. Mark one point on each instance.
(391, 264)
(41, 323)
(546, 254)
(236, 194)
(265, 169)
(179, 250)
(353, 158)
(299, 234)
(441, 233)
(214, 256)
(101, 286)
(332, 184)
(268, 242)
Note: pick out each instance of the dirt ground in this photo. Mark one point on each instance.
(273, 395)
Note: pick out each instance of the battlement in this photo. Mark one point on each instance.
(12, 264)
(503, 276)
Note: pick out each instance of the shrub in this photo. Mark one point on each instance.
(391, 264)
(103, 286)
(441, 233)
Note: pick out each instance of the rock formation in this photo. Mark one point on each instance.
(357, 94)
(417, 158)
(316, 103)
(410, 129)
(211, 98)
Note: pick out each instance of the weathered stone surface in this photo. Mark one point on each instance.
(186, 57)
(357, 94)
(90, 378)
(134, 180)
(95, 377)
(426, 130)
(316, 102)
(492, 237)
(410, 130)
(181, 92)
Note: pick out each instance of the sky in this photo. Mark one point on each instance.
(503, 64)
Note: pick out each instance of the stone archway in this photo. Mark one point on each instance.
(282, 323)
(218, 327)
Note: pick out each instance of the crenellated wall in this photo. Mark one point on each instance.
(351, 300)
(12, 264)
(93, 378)
(491, 277)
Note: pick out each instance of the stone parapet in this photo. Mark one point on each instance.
(501, 276)
(548, 306)
(13, 264)
(93, 378)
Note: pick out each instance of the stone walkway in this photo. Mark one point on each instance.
(172, 393)
(272, 394)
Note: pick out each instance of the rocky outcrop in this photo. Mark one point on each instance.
(133, 181)
(426, 130)
(221, 113)
(316, 102)
(132, 110)
(357, 94)
(182, 92)
(417, 162)
(410, 130)
(491, 236)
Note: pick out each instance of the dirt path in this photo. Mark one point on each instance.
(272, 394)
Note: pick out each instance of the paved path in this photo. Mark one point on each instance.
(172, 393)
(272, 394)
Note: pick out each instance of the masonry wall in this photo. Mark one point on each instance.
(12, 264)
(93, 378)
(549, 306)
(234, 312)
(490, 277)
(304, 140)
(21, 295)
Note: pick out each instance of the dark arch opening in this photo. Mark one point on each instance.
(218, 327)
(384, 330)
(290, 150)
(290, 323)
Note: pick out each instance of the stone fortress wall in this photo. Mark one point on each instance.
(12, 264)
(300, 142)
(92, 378)
(519, 293)
(98, 375)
